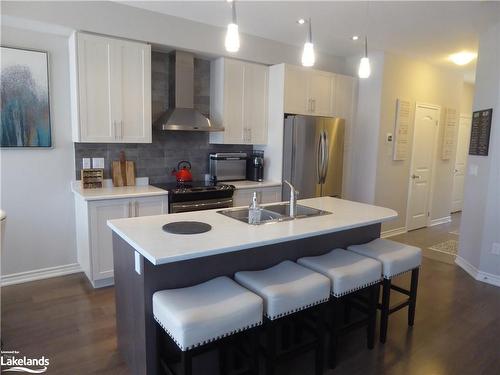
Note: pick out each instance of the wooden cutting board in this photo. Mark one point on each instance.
(123, 171)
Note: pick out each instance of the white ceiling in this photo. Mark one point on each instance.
(428, 30)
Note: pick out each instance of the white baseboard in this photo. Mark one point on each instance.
(477, 274)
(44, 273)
(442, 220)
(393, 232)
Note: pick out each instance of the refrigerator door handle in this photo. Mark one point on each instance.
(319, 161)
(327, 156)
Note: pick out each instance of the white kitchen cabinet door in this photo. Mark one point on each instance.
(234, 90)
(101, 242)
(320, 93)
(110, 89)
(95, 113)
(238, 101)
(296, 91)
(243, 197)
(149, 206)
(133, 92)
(255, 103)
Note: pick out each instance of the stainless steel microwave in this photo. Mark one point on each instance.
(228, 166)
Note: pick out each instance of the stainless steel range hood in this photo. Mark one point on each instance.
(182, 115)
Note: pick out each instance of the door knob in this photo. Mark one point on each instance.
(415, 177)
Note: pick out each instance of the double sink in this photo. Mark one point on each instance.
(274, 213)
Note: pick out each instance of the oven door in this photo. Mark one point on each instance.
(207, 204)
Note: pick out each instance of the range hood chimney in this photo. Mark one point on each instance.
(181, 114)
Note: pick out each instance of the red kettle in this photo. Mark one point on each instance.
(183, 172)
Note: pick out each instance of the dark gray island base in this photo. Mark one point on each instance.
(136, 328)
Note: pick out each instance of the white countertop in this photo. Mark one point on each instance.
(111, 192)
(145, 233)
(246, 184)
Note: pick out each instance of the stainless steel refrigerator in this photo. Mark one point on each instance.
(313, 153)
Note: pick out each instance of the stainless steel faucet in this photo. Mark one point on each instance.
(293, 199)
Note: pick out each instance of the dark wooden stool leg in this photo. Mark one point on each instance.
(186, 362)
(347, 311)
(335, 303)
(320, 345)
(271, 348)
(384, 318)
(223, 359)
(372, 317)
(413, 296)
(254, 353)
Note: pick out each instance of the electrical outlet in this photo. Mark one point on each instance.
(473, 169)
(495, 249)
(86, 163)
(389, 137)
(97, 162)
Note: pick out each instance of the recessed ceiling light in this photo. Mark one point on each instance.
(301, 21)
(463, 58)
(355, 37)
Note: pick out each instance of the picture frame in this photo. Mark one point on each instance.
(25, 113)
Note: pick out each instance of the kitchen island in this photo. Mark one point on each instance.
(147, 259)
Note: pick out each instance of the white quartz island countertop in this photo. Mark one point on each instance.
(146, 236)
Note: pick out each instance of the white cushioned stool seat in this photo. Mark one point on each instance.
(346, 270)
(396, 258)
(286, 288)
(199, 314)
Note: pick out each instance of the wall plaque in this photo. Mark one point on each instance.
(402, 130)
(480, 132)
(449, 134)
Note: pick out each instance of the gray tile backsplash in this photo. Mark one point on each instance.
(156, 160)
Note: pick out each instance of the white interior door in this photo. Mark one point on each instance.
(424, 141)
(464, 128)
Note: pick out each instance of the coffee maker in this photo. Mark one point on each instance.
(255, 166)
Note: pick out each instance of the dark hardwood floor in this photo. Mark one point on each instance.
(457, 327)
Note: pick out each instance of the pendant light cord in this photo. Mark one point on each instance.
(310, 31)
(233, 9)
(367, 18)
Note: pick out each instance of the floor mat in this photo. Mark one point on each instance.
(448, 247)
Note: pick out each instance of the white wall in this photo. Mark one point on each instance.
(365, 131)
(36, 182)
(481, 213)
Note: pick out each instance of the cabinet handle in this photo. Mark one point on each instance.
(136, 209)
(121, 129)
(313, 101)
(129, 209)
(115, 135)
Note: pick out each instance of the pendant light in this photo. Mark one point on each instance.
(232, 42)
(308, 57)
(364, 69)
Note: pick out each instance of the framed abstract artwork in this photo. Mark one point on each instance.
(25, 106)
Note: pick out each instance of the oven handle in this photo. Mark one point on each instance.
(221, 204)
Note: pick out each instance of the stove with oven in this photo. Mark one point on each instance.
(197, 196)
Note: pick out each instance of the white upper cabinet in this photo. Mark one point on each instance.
(238, 101)
(308, 91)
(110, 89)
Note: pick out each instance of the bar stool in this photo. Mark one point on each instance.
(349, 273)
(289, 291)
(396, 259)
(204, 316)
